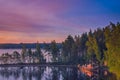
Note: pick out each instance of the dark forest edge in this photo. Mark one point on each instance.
(19, 45)
(100, 47)
(38, 64)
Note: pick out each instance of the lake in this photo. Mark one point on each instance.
(47, 56)
(10, 51)
(41, 73)
(48, 73)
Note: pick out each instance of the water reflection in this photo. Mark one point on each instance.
(45, 73)
(38, 73)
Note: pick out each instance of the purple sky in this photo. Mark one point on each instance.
(46, 20)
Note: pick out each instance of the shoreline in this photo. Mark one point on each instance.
(37, 64)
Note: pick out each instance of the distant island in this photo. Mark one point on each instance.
(19, 46)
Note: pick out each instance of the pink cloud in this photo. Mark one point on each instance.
(36, 17)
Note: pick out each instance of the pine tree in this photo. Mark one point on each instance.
(54, 50)
(38, 52)
(112, 33)
(23, 53)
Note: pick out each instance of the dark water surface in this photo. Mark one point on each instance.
(41, 73)
(47, 73)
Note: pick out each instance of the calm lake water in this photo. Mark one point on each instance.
(41, 73)
(10, 51)
(47, 73)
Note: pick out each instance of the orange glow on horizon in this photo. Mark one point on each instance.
(4, 41)
(29, 40)
(21, 38)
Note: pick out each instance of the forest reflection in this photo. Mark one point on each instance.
(46, 73)
(38, 73)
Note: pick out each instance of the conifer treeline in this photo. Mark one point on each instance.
(101, 45)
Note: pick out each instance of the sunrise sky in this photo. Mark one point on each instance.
(45, 20)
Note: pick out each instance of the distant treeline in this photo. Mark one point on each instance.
(28, 45)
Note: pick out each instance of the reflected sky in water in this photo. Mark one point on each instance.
(47, 73)
(40, 73)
